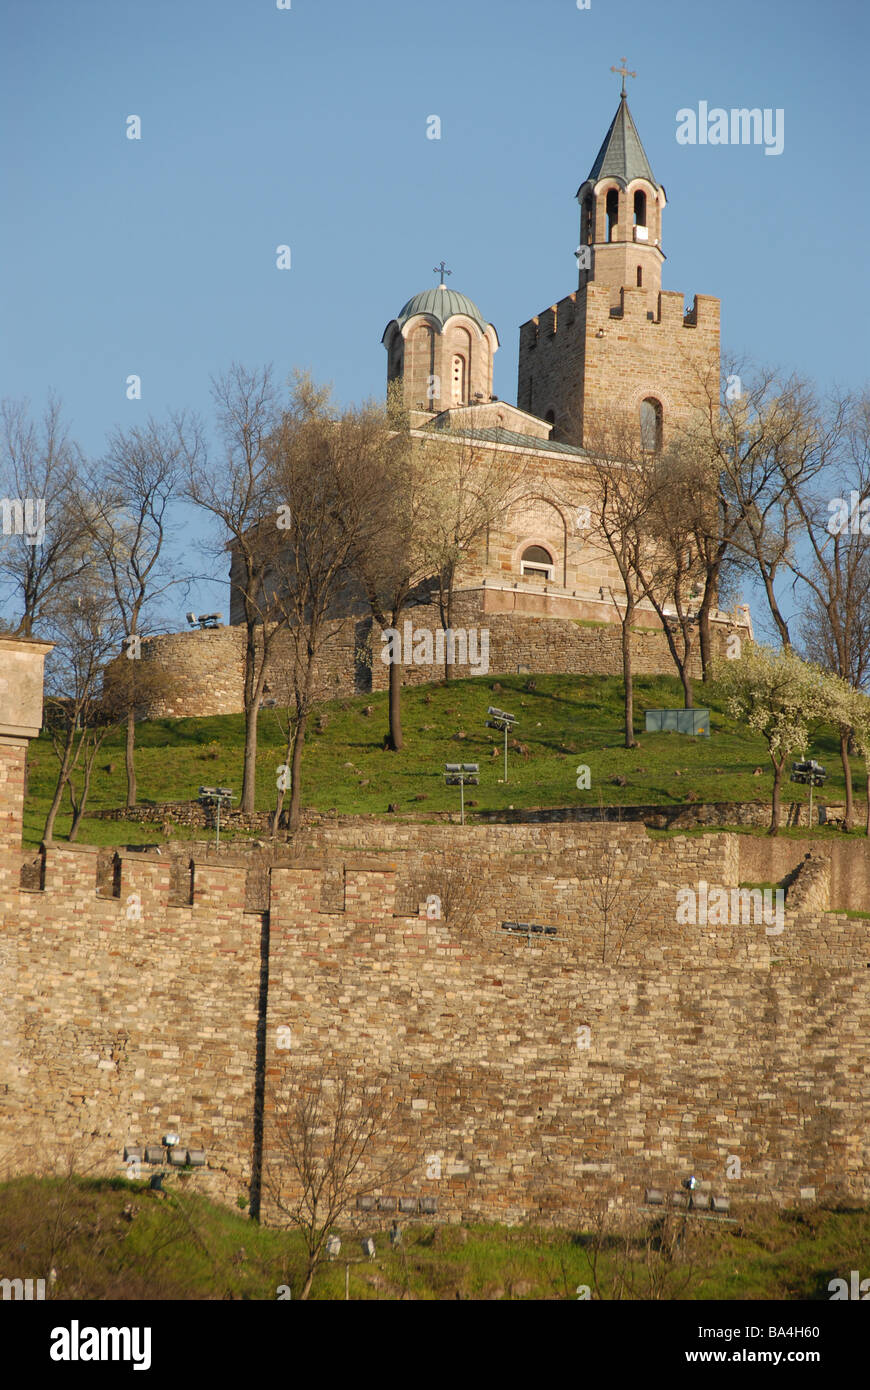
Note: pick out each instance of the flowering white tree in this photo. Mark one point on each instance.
(849, 708)
(775, 694)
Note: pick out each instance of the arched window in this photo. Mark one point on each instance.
(651, 425)
(587, 231)
(459, 380)
(537, 560)
(639, 208)
(639, 278)
(550, 417)
(612, 207)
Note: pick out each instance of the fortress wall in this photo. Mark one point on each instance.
(684, 1066)
(127, 1016)
(204, 668)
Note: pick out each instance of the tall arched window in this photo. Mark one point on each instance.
(639, 208)
(651, 425)
(587, 233)
(639, 278)
(612, 207)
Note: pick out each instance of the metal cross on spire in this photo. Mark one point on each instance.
(625, 73)
(441, 270)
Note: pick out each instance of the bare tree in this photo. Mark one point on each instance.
(631, 1257)
(391, 557)
(459, 887)
(834, 571)
(44, 542)
(329, 472)
(754, 443)
(667, 566)
(125, 512)
(616, 900)
(335, 1138)
(609, 484)
(85, 629)
(470, 489)
(239, 493)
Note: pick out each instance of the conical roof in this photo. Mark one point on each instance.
(622, 156)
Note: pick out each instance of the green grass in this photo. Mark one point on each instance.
(563, 722)
(114, 1239)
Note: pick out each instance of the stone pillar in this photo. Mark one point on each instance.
(21, 673)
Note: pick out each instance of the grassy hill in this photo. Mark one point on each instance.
(562, 721)
(114, 1239)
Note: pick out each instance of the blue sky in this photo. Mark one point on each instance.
(307, 127)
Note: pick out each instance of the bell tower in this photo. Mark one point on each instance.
(621, 211)
(620, 345)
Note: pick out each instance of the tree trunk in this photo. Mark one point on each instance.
(774, 806)
(845, 735)
(295, 774)
(63, 774)
(706, 643)
(394, 739)
(249, 777)
(867, 826)
(309, 1280)
(628, 675)
(129, 753)
(781, 624)
(686, 680)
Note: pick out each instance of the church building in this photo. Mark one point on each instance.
(541, 583)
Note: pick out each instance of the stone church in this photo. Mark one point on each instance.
(543, 584)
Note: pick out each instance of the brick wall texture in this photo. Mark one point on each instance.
(204, 669)
(135, 1003)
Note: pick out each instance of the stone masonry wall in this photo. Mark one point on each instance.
(131, 1009)
(204, 669)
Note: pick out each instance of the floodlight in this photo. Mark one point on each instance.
(153, 1153)
(170, 1139)
(178, 1156)
(196, 1158)
(528, 929)
(192, 619)
(132, 1155)
(333, 1247)
(429, 1205)
(408, 1205)
(721, 1203)
(655, 1197)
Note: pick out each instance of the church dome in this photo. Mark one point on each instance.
(440, 303)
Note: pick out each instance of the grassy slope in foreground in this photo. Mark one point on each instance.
(113, 1239)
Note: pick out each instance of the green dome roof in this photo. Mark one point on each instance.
(440, 303)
